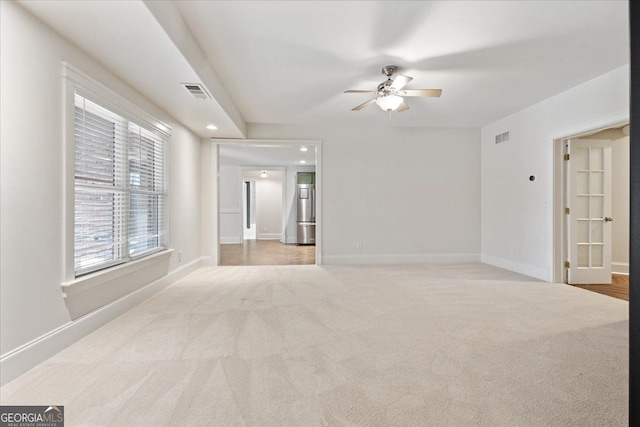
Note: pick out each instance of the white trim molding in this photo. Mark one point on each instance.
(116, 102)
(269, 236)
(20, 360)
(527, 270)
(555, 217)
(620, 268)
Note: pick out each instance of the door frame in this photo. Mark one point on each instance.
(314, 144)
(559, 233)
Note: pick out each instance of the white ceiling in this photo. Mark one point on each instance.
(260, 155)
(126, 37)
(289, 62)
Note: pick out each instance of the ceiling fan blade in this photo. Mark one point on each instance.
(400, 81)
(359, 91)
(423, 92)
(403, 107)
(364, 104)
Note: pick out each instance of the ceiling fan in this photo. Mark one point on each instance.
(390, 96)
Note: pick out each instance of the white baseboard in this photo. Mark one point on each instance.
(207, 261)
(620, 268)
(269, 236)
(20, 360)
(230, 240)
(399, 258)
(507, 264)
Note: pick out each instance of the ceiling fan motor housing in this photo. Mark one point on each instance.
(389, 70)
(385, 87)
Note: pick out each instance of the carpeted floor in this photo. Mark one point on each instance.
(411, 345)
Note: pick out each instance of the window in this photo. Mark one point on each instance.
(119, 188)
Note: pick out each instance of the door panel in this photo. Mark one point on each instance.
(305, 200)
(589, 221)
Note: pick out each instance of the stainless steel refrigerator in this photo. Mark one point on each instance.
(306, 196)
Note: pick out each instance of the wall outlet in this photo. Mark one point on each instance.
(512, 250)
(264, 229)
(179, 256)
(358, 245)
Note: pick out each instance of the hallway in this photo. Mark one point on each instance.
(266, 252)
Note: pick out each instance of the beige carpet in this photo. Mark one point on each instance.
(409, 345)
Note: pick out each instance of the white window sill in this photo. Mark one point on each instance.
(98, 278)
(94, 290)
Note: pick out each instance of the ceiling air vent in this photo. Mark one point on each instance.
(197, 90)
(503, 137)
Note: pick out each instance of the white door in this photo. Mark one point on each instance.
(589, 219)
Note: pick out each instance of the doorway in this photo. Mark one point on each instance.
(594, 197)
(249, 209)
(262, 198)
(257, 185)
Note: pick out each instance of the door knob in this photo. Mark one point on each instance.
(608, 219)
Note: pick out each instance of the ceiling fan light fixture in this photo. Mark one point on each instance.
(390, 93)
(389, 102)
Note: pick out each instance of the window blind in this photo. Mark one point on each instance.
(119, 188)
(146, 184)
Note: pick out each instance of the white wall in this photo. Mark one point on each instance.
(184, 195)
(209, 218)
(407, 194)
(620, 209)
(31, 300)
(230, 199)
(517, 221)
(268, 204)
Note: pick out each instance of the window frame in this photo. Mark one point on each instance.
(75, 81)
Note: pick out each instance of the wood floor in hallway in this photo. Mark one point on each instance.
(619, 287)
(266, 252)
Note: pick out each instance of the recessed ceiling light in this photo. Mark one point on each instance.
(212, 127)
(304, 149)
(302, 161)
